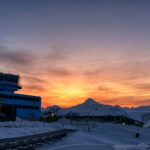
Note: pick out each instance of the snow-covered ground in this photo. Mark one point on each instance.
(23, 128)
(136, 113)
(90, 136)
(107, 135)
(147, 124)
(101, 147)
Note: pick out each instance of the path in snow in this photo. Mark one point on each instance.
(104, 133)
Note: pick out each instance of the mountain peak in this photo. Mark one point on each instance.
(90, 101)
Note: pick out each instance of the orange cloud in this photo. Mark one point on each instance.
(67, 80)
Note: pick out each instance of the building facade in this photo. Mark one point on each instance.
(14, 105)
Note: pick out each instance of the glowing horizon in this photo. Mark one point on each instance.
(69, 94)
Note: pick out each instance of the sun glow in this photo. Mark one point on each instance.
(70, 91)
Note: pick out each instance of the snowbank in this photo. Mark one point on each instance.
(23, 128)
(132, 147)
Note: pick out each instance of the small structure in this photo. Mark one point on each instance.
(49, 117)
(137, 135)
(14, 105)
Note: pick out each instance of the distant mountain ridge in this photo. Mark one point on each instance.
(89, 108)
(92, 108)
(137, 112)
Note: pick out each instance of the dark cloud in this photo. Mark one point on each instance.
(93, 73)
(142, 102)
(133, 100)
(121, 71)
(103, 88)
(127, 101)
(35, 79)
(19, 57)
(59, 71)
(56, 54)
(142, 86)
(35, 87)
(34, 83)
(24, 60)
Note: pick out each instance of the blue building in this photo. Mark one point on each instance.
(14, 105)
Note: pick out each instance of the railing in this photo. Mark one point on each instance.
(26, 141)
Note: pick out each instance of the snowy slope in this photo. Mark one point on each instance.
(91, 108)
(147, 124)
(23, 128)
(105, 134)
(136, 113)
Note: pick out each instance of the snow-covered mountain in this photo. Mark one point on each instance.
(90, 108)
(137, 112)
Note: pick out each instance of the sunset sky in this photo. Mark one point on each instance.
(69, 50)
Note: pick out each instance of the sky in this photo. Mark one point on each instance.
(69, 50)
